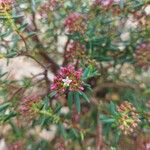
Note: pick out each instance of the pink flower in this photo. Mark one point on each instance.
(53, 4)
(79, 74)
(104, 2)
(25, 105)
(117, 1)
(47, 7)
(74, 50)
(67, 79)
(75, 22)
(6, 1)
(54, 86)
(142, 55)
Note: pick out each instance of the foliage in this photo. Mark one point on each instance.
(98, 52)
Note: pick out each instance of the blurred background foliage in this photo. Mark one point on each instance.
(109, 40)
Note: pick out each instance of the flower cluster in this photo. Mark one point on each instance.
(129, 118)
(53, 4)
(74, 50)
(142, 55)
(67, 79)
(75, 22)
(19, 144)
(5, 5)
(26, 104)
(106, 3)
(48, 7)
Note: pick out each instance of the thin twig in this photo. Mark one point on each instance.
(117, 85)
(33, 27)
(65, 62)
(99, 139)
(35, 60)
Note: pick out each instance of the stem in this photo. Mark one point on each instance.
(99, 139)
(12, 23)
(47, 81)
(43, 54)
(65, 62)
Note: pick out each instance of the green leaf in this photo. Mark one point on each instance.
(26, 82)
(62, 131)
(23, 27)
(33, 6)
(117, 136)
(82, 136)
(84, 97)
(12, 17)
(108, 120)
(138, 5)
(121, 4)
(16, 130)
(77, 101)
(106, 130)
(5, 34)
(70, 99)
(9, 116)
(89, 72)
(43, 121)
(58, 107)
(11, 54)
(86, 72)
(75, 133)
(46, 103)
(52, 94)
(104, 58)
(113, 108)
(4, 106)
(3, 74)
(31, 34)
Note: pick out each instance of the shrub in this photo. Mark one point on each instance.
(93, 91)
